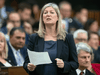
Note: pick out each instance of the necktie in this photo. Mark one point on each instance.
(19, 60)
(81, 73)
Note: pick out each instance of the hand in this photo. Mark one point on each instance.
(60, 63)
(31, 67)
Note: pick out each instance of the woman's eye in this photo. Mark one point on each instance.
(45, 12)
(52, 12)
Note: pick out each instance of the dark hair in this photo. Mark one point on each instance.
(35, 26)
(16, 28)
(24, 5)
(78, 9)
(88, 24)
(90, 33)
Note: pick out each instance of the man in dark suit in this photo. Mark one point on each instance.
(81, 16)
(16, 50)
(66, 10)
(85, 54)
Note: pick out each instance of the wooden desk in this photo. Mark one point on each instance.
(13, 71)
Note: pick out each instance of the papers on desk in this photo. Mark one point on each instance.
(38, 58)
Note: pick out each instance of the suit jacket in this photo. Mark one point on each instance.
(74, 24)
(96, 55)
(11, 56)
(87, 73)
(66, 50)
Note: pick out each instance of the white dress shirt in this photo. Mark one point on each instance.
(17, 51)
(78, 71)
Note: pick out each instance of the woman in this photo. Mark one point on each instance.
(4, 52)
(91, 25)
(52, 38)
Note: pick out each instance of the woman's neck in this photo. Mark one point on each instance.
(51, 30)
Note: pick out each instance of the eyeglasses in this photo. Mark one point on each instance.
(80, 40)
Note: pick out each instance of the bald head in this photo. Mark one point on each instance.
(14, 17)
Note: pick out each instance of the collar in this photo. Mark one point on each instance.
(79, 71)
(13, 49)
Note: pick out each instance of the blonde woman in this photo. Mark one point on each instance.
(4, 61)
(52, 38)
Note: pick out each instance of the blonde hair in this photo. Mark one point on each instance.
(5, 52)
(61, 33)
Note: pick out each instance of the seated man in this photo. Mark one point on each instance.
(85, 53)
(80, 35)
(16, 49)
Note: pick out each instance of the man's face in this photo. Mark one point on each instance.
(84, 59)
(66, 11)
(94, 41)
(25, 14)
(82, 37)
(14, 18)
(17, 40)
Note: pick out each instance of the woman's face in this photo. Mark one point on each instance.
(1, 43)
(50, 16)
(94, 27)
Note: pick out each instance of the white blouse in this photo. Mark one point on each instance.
(7, 64)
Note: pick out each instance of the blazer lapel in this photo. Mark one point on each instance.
(11, 55)
(59, 47)
(40, 45)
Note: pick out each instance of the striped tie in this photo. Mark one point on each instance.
(19, 61)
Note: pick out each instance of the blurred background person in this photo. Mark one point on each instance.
(93, 40)
(79, 19)
(91, 25)
(13, 18)
(4, 10)
(4, 52)
(16, 46)
(28, 28)
(85, 56)
(24, 9)
(65, 10)
(9, 27)
(35, 27)
(36, 12)
(80, 35)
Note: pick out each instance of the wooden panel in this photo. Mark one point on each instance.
(93, 15)
(14, 70)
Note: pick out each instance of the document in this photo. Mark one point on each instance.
(38, 58)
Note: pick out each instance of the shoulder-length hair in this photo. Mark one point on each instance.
(61, 33)
(5, 51)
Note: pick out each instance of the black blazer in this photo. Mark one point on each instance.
(9, 61)
(87, 73)
(66, 50)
